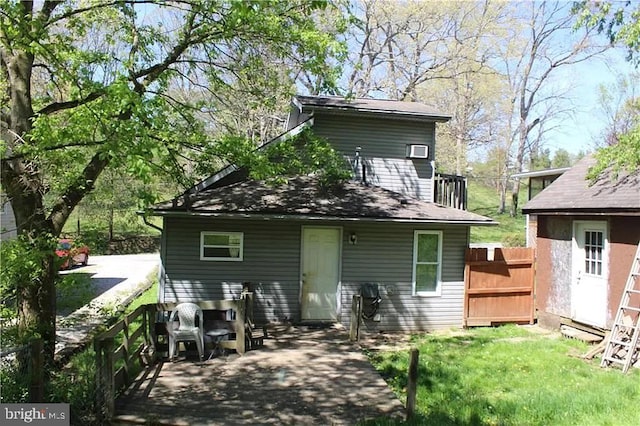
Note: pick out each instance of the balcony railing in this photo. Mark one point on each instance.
(450, 191)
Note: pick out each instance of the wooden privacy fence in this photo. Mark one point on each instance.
(499, 290)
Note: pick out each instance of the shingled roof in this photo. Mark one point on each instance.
(572, 193)
(415, 110)
(304, 198)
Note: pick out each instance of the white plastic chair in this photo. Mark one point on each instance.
(190, 328)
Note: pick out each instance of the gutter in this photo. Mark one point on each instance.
(146, 221)
(300, 217)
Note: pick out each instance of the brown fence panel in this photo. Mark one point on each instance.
(499, 290)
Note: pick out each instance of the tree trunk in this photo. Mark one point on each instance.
(502, 184)
(110, 223)
(37, 307)
(522, 142)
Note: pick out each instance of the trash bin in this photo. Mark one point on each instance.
(370, 300)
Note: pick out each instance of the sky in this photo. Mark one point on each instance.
(578, 133)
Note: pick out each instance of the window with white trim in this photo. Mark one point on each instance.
(427, 262)
(221, 246)
(593, 248)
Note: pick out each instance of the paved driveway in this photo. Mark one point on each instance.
(117, 279)
(115, 273)
(302, 376)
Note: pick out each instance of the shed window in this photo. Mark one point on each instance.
(221, 246)
(593, 247)
(427, 263)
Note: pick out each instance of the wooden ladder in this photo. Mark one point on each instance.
(622, 346)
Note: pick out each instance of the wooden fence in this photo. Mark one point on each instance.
(132, 344)
(499, 290)
(120, 355)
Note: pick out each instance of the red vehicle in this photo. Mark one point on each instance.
(72, 253)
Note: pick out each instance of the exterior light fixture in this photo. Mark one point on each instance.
(353, 238)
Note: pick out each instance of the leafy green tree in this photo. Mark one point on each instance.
(88, 86)
(541, 159)
(561, 158)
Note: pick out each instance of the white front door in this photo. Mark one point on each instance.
(320, 273)
(590, 273)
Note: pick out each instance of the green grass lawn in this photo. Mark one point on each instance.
(485, 201)
(510, 376)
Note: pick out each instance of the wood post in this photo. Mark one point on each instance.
(356, 314)
(105, 380)
(125, 347)
(247, 296)
(240, 324)
(412, 383)
(36, 384)
(151, 315)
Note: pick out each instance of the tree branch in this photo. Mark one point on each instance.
(76, 191)
(59, 106)
(60, 146)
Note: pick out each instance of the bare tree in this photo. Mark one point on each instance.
(620, 103)
(397, 46)
(546, 42)
(438, 53)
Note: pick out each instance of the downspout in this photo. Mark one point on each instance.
(146, 222)
(433, 180)
(162, 256)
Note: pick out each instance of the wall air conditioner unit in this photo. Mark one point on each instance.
(417, 151)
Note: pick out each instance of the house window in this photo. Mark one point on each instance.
(221, 246)
(427, 262)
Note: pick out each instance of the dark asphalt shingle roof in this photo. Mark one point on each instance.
(305, 197)
(571, 192)
(367, 105)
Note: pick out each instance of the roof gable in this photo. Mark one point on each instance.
(571, 192)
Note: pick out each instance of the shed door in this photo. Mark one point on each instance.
(590, 273)
(320, 273)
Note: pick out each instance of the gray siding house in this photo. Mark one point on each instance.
(306, 249)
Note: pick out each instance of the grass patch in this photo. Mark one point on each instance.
(485, 201)
(73, 291)
(510, 376)
(149, 296)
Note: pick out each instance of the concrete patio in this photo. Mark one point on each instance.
(301, 376)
